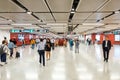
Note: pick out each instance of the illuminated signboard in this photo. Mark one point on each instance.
(15, 30)
(117, 37)
(29, 30)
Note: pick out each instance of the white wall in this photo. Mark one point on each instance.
(4, 33)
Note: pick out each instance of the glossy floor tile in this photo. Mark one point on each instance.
(64, 65)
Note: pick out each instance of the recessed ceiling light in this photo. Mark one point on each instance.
(116, 12)
(72, 12)
(28, 12)
(73, 9)
(10, 20)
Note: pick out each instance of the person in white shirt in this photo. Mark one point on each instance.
(37, 41)
(3, 55)
(41, 51)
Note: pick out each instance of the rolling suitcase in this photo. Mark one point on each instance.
(17, 54)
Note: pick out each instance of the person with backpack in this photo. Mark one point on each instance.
(3, 52)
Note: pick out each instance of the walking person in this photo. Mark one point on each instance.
(48, 49)
(52, 43)
(11, 47)
(32, 43)
(37, 41)
(23, 43)
(65, 42)
(3, 51)
(77, 43)
(106, 45)
(71, 44)
(41, 51)
(6, 41)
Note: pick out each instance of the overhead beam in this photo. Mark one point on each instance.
(24, 8)
(50, 10)
(76, 26)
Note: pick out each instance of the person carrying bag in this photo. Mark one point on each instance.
(3, 53)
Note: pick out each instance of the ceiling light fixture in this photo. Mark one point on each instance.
(73, 9)
(117, 12)
(56, 24)
(28, 12)
(100, 24)
(17, 24)
(72, 12)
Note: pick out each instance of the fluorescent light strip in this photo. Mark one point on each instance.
(56, 24)
(117, 12)
(21, 24)
(72, 12)
(93, 24)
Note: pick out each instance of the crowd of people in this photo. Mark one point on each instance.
(44, 46)
(7, 49)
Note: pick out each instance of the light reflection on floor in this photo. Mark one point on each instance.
(64, 65)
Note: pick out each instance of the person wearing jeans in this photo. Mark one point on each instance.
(41, 51)
(11, 47)
(4, 54)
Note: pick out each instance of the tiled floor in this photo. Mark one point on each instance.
(64, 65)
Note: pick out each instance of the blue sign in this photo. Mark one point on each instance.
(29, 30)
(15, 30)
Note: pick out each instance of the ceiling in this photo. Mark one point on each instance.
(54, 15)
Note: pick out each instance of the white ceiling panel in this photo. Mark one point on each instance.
(5, 27)
(26, 27)
(1, 19)
(32, 27)
(82, 28)
(112, 26)
(111, 21)
(61, 17)
(19, 17)
(9, 6)
(58, 28)
(90, 5)
(81, 15)
(77, 21)
(113, 5)
(91, 21)
(4, 21)
(47, 17)
(98, 16)
(60, 5)
(115, 16)
(35, 5)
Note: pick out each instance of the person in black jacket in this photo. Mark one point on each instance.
(48, 49)
(106, 45)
